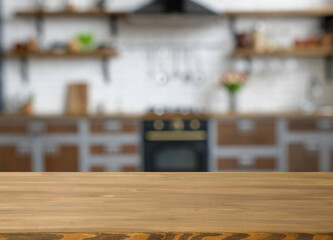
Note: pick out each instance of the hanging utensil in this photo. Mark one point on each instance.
(162, 77)
(177, 74)
(198, 75)
(187, 70)
(151, 63)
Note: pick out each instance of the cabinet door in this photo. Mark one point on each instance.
(113, 150)
(311, 125)
(63, 127)
(246, 132)
(61, 158)
(13, 127)
(13, 160)
(303, 158)
(267, 164)
(114, 126)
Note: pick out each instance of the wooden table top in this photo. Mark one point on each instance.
(166, 202)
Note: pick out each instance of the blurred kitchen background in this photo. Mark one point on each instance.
(166, 85)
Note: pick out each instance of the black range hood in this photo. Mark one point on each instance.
(174, 6)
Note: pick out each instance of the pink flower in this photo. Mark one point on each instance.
(233, 78)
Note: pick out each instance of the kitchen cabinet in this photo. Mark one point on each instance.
(257, 164)
(15, 148)
(64, 127)
(246, 133)
(130, 168)
(125, 168)
(60, 155)
(61, 158)
(13, 159)
(13, 128)
(97, 169)
(312, 125)
(113, 149)
(113, 126)
(304, 157)
(114, 145)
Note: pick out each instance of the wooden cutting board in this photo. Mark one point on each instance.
(77, 99)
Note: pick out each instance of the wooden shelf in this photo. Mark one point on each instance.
(51, 54)
(302, 52)
(65, 13)
(323, 12)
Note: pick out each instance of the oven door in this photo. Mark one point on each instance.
(180, 156)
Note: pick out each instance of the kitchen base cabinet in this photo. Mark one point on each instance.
(13, 128)
(114, 127)
(62, 159)
(97, 169)
(258, 164)
(115, 149)
(317, 126)
(303, 158)
(13, 161)
(130, 169)
(246, 133)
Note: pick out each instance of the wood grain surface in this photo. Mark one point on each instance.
(166, 236)
(166, 202)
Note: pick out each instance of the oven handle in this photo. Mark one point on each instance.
(176, 136)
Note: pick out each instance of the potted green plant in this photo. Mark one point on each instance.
(86, 40)
(233, 82)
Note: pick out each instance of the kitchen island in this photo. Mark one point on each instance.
(160, 206)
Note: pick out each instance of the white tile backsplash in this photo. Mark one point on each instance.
(276, 84)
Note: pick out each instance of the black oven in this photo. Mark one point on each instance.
(175, 145)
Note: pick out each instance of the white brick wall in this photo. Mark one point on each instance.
(277, 87)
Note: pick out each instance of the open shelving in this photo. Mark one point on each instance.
(54, 55)
(40, 15)
(66, 13)
(301, 52)
(322, 12)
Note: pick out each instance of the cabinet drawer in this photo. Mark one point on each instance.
(113, 149)
(303, 158)
(130, 168)
(259, 164)
(125, 168)
(13, 128)
(14, 160)
(114, 126)
(246, 132)
(311, 125)
(97, 169)
(61, 159)
(61, 128)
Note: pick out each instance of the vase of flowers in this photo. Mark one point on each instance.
(233, 82)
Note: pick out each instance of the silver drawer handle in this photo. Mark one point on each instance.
(112, 126)
(51, 150)
(36, 127)
(324, 124)
(24, 149)
(245, 125)
(112, 149)
(311, 147)
(246, 162)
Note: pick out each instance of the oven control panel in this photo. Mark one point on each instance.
(176, 124)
